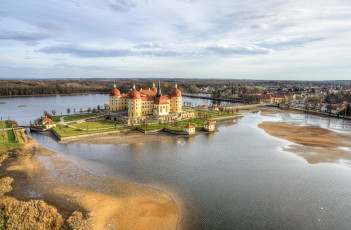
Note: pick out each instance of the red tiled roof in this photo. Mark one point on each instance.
(189, 126)
(134, 95)
(161, 100)
(147, 92)
(176, 93)
(210, 123)
(115, 92)
(47, 120)
(147, 98)
(265, 96)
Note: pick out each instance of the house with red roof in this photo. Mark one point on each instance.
(189, 129)
(48, 123)
(210, 126)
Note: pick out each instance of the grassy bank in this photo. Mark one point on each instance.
(76, 129)
(84, 128)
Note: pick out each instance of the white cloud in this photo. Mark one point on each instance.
(203, 38)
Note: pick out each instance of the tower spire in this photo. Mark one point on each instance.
(153, 84)
(159, 93)
(134, 86)
(114, 84)
(175, 85)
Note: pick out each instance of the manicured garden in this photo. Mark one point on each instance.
(87, 128)
(72, 117)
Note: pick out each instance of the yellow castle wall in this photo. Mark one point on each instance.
(137, 108)
(176, 104)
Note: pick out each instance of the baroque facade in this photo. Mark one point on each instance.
(146, 102)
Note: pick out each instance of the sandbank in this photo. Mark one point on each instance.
(107, 203)
(315, 144)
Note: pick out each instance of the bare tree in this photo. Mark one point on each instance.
(53, 112)
(47, 114)
(89, 109)
(68, 111)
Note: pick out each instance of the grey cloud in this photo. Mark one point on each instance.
(121, 5)
(238, 50)
(23, 36)
(51, 25)
(292, 42)
(86, 52)
(160, 53)
(32, 43)
(147, 45)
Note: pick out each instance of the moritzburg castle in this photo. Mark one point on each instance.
(142, 103)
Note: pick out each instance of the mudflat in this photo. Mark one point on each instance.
(315, 144)
(107, 203)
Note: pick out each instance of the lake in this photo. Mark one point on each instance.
(237, 178)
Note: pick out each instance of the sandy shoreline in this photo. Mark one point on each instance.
(315, 144)
(106, 203)
(131, 137)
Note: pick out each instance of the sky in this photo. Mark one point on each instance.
(227, 39)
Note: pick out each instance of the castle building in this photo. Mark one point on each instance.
(146, 102)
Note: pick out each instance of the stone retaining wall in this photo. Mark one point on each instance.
(174, 131)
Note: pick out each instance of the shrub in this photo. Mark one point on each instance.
(76, 222)
(5, 185)
(34, 214)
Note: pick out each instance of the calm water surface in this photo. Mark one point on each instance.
(237, 178)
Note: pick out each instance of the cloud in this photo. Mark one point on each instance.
(31, 43)
(247, 49)
(147, 45)
(279, 43)
(121, 5)
(23, 36)
(85, 52)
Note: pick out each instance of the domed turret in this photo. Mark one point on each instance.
(176, 92)
(134, 94)
(115, 92)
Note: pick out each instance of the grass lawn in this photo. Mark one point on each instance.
(96, 124)
(5, 124)
(8, 139)
(79, 116)
(198, 123)
(72, 117)
(93, 127)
